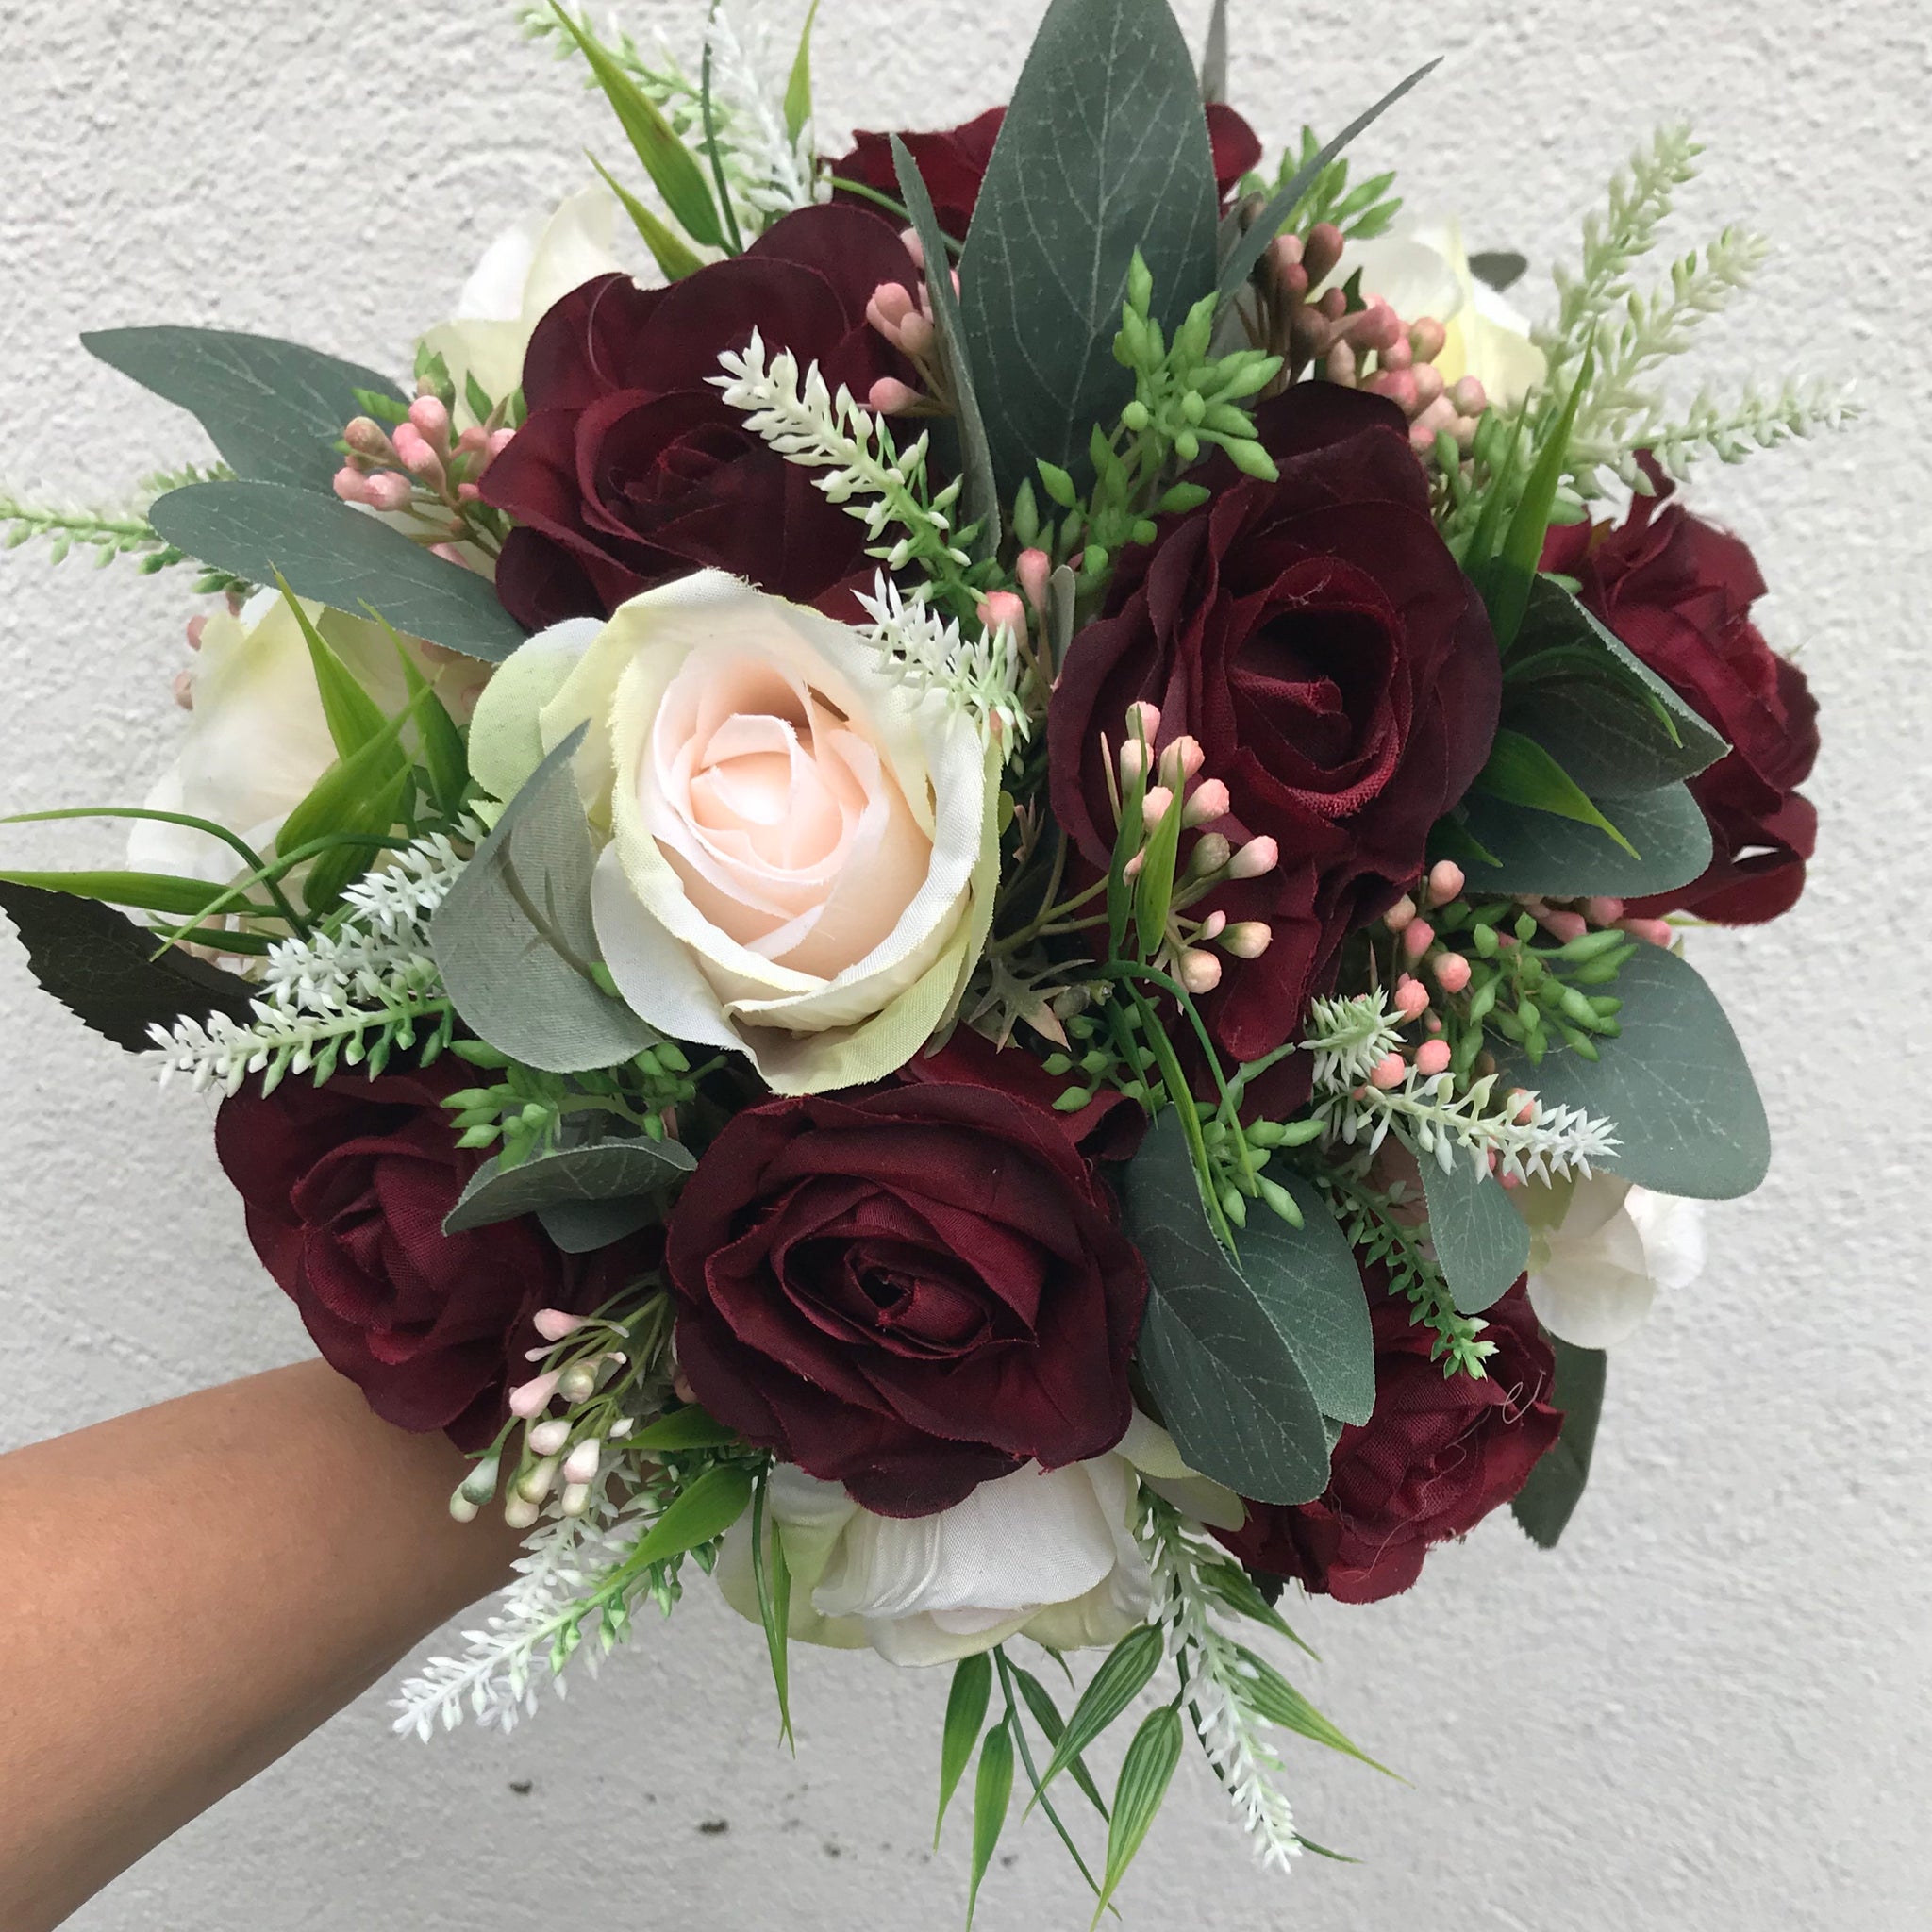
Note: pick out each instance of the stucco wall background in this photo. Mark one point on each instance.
(1710, 1709)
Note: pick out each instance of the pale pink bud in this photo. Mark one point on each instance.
(500, 440)
(198, 625)
(1002, 610)
(1418, 935)
(1512, 1181)
(577, 1500)
(547, 1438)
(1566, 925)
(1208, 802)
(1340, 366)
(351, 485)
(1426, 338)
(913, 245)
(365, 437)
(1133, 761)
(1433, 1022)
(473, 442)
(184, 690)
(1432, 1057)
(520, 1512)
(1034, 572)
(1400, 914)
(1378, 326)
(1200, 972)
(389, 490)
(1411, 997)
(1390, 1071)
(583, 1463)
(1181, 760)
(468, 492)
(1144, 720)
(1212, 927)
(530, 1399)
(1446, 881)
(429, 415)
(461, 1509)
(1285, 251)
(1322, 251)
(1428, 385)
(1468, 396)
(916, 335)
(891, 304)
(417, 456)
(1656, 932)
(889, 396)
(1256, 859)
(1399, 386)
(1134, 867)
(1154, 807)
(1451, 972)
(449, 552)
(1603, 911)
(1249, 939)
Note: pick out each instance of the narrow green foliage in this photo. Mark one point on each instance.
(772, 1576)
(683, 1428)
(1362, 211)
(1520, 772)
(1274, 1698)
(1145, 1775)
(965, 1714)
(701, 1514)
(799, 88)
(1046, 1715)
(1127, 1670)
(669, 250)
(992, 1793)
(147, 891)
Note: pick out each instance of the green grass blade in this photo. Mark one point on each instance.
(1146, 1773)
(1046, 1715)
(671, 253)
(147, 891)
(1523, 548)
(1127, 1670)
(353, 717)
(1520, 772)
(965, 1713)
(1280, 1703)
(798, 89)
(992, 1793)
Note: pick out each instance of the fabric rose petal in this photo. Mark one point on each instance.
(802, 853)
(1600, 1250)
(910, 1292)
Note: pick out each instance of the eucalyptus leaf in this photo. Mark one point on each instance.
(1307, 1280)
(338, 556)
(1102, 151)
(1500, 268)
(581, 1227)
(515, 941)
(101, 966)
(1546, 1501)
(602, 1173)
(274, 409)
(1538, 852)
(1481, 1241)
(1675, 1084)
(1214, 59)
(1230, 1390)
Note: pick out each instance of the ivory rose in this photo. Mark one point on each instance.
(1599, 1252)
(802, 853)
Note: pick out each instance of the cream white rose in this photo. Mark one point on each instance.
(801, 856)
(1422, 269)
(524, 273)
(1600, 1250)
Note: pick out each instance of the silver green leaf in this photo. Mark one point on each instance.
(1481, 1241)
(604, 1173)
(1546, 1501)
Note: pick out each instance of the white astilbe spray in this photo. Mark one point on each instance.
(1529, 1139)
(1219, 1680)
(866, 472)
(776, 174)
(928, 653)
(541, 1621)
(349, 996)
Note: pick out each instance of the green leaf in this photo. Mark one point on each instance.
(1546, 1501)
(798, 89)
(1249, 250)
(338, 556)
(148, 891)
(1230, 1388)
(274, 409)
(772, 1578)
(1214, 61)
(581, 1227)
(1603, 714)
(1103, 150)
(672, 166)
(1235, 1588)
(1127, 1670)
(1520, 772)
(514, 939)
(1675, 1083)
(982, 499)
(1508, 581)
(1280, 1703)
(1480, 1240)
(1307, 1280)
(352, 715)
(603, 1170)
(1146, 1773)
(1053, 1727)
(361, 793)
(992, 1791)
(699, 1514)
(671, 252)
(683, 1428)
(102, 968)
(445, 756)
(965, 1713)
(1525, 851)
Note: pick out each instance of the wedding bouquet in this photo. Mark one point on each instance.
(967, 911)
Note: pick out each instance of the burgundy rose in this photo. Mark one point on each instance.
(953, 163)
(910, 1291)
(1679, 592)
(1435, 1457)
(1337, 669)
(632, 469)
(346, 1187)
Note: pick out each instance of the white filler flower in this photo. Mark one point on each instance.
(1600, 1251)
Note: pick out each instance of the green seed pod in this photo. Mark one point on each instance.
(1234, 1205)
(1484, 940)
(1135, 417)
(1279, 1198)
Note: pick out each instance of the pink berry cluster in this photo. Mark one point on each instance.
(906, 321)
(396, 469)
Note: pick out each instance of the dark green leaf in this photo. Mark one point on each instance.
(1675, 1083)
(1538, 852)
(102, 968)
(1235, 1588)
(444, 756)
(1604, 716)
(274, 409)
(1307, 1280)
(338, 555)
(992, 1791)
(1547, 1501)
(514, 939)
(581, 1227)
(1500, 268)
(683, 1428)
(1253, 245)
(1230, 1390)
(965, 1714)
(1146, 1773)
(148, 891)
(1520, 772)
(671, 165)
(1047, 1716)
(1103, 150)
(1507, 583)
(982, 500)
(603, 1172)
(1480, 1240)
(1128, 1670)
(698, 1515)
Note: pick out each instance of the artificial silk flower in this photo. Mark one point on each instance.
(1422, 269)
(802, 853)
(1600, 1250)
(524, 273)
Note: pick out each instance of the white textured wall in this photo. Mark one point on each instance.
(1710, 1709)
